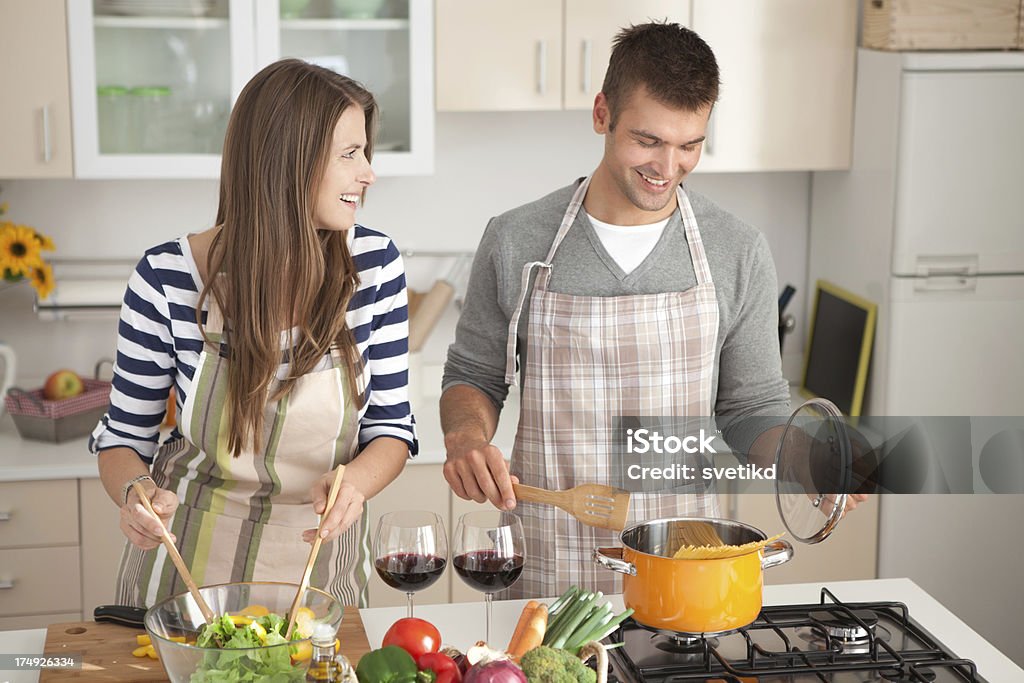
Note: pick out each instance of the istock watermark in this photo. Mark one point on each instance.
(876, 455)
(679, 472)
(643, 441)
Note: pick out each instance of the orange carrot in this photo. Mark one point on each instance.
(524, 619)
(529, 631)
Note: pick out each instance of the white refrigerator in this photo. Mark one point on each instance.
(929, 224)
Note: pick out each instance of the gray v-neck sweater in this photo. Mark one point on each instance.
(748, 369)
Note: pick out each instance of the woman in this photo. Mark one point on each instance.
(283, 330)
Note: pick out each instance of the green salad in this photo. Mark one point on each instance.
(245, 651)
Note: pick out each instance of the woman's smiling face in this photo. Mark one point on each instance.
(346, 175)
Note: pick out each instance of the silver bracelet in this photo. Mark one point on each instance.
(128, 487)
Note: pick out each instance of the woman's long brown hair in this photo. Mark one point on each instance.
(270, 268)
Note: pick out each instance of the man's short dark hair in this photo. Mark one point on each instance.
(672, 62)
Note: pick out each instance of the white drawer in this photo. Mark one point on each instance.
(37, 580)
(38, 513)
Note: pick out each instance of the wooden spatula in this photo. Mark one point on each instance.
(186, 576)
(592, 504)
(332, 496)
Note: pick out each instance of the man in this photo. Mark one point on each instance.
(625, 295)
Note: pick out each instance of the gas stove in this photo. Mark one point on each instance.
(825, 641)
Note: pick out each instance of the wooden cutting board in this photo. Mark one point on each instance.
(107, 650)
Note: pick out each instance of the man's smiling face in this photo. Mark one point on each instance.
(649, 152)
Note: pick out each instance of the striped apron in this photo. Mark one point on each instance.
(591, 361)
(241, 519)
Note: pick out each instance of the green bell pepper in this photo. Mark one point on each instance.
(389, 664)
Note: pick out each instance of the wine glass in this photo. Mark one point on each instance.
(410, 550)
(488, 553)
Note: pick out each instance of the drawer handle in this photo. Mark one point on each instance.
(5, 515)
(6, 583)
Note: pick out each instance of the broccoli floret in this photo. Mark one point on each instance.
(545, 664)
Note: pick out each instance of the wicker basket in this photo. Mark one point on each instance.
(57, 421)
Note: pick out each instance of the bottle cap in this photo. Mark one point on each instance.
(323, 634)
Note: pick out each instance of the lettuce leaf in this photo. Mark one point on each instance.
(242, 658)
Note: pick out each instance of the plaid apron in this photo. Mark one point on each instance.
(241, 519)
(591, 361)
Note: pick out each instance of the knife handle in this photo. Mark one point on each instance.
(121, 614)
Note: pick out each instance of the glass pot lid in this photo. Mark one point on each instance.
(813, 470)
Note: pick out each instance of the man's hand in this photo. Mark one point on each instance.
(476, 470)
(138, 526)
(348, 506)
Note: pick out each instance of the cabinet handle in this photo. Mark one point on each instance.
(6, 583)
(542, 67)
(5, 515)
(47, 151)
(585, 67)
(709, 137)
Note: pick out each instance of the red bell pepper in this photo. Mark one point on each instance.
(443, 667)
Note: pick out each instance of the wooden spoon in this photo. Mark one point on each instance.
(593, 504)
(179, 564)
(332, 496)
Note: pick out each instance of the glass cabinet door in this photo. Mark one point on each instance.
(153, 82)
(387, 45)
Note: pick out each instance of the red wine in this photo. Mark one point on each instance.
(487, 571)
(410, 571)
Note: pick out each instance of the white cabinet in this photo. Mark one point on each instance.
(532, 54)
(499, 56)
(387, 49)
(60, 548)
(35, 121)
(152, 93)
(787, 70)
(39, 550)
(102, 545)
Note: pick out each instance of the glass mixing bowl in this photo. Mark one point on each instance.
(179, 616)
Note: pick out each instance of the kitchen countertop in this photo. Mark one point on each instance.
(26, 460)
(461, 624)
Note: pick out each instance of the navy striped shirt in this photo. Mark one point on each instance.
(159, 343)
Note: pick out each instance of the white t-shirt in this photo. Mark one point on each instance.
(629, 245)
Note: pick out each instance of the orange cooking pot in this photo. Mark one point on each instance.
(698, 597)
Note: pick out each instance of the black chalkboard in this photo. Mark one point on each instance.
(839, 347)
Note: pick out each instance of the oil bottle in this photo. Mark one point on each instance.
(322, 668)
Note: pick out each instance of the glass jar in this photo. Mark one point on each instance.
(114, 114)
(152, 113)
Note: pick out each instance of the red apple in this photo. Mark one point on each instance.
(62, 384)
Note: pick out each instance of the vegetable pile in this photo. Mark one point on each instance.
(544, 648)
(410, 654)
(576, 619)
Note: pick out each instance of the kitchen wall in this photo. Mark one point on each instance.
(485, 164)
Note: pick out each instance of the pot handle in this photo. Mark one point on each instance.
(611, 558)
(776, 553)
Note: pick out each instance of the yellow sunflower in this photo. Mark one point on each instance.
(45, 243)
(19, 249)
(42, 279)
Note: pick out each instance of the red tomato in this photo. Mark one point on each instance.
(415, 636)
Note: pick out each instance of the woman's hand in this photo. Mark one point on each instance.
(138, 525)
(347, 508)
